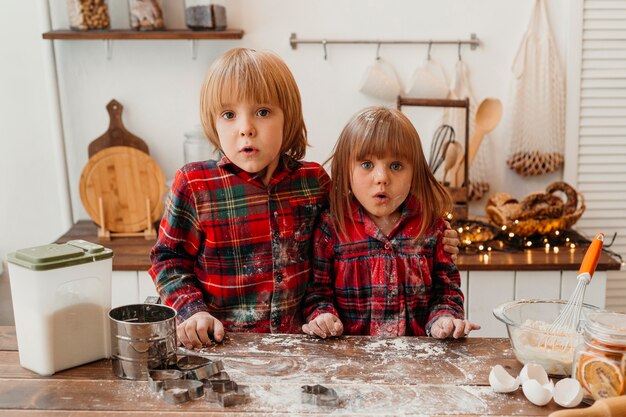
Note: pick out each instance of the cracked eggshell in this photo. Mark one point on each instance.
(568, 393)
(501, 381)
(537, 393)
(533, 371)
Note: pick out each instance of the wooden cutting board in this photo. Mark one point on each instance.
(124, 177)
(116, 135)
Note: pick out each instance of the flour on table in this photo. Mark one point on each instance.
(399, 347)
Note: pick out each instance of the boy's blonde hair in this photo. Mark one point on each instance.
(379, 131)
(246, 75)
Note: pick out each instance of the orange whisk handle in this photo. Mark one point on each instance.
(590, 261)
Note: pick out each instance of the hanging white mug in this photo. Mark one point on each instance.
(381, 82)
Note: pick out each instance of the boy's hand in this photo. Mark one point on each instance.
(324, 325)
(447, 326)
(197, 330)
(451, 241)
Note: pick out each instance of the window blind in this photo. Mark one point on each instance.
(601, 174)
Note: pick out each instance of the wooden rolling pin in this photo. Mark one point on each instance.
(607, 407)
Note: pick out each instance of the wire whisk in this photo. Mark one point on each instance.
(561, 335)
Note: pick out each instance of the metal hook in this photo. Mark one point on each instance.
(325, 51)
(378, 52)
(459, 50)
(430, 45)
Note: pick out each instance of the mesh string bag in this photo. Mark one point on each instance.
(538, 118)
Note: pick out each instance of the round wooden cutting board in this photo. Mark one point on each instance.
(124, 177)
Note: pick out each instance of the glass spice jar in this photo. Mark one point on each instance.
(600, 362)
(145, 15)
(205, 15)
(88, 14)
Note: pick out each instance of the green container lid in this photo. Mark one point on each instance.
(54, 256)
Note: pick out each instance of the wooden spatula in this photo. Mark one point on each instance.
(606, 407)
(116, 135)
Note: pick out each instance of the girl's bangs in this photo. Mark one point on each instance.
(382, 138)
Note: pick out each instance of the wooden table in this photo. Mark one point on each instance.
(372, 376)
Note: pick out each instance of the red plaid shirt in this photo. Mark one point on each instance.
(238, 249)
(383, 286)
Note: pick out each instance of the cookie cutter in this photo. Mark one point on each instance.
(156, 378)
(228, 393)
(191, 376)
(319, 395)
(178, 391)
(200, 368)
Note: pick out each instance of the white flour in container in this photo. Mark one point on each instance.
(532, 343)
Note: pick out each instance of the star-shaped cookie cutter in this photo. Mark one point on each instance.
(319, 395)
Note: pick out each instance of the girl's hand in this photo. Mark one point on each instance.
(324, 325)
(451, 241)
(197, 330)
(447, 326)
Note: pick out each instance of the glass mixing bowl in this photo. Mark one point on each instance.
(528, 321)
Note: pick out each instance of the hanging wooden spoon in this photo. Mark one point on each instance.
(453, 153)
(488, 115)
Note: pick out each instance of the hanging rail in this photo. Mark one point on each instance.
(473, 42)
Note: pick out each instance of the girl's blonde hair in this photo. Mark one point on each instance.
(379, 131)
(246, 75)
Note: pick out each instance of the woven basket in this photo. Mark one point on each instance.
(546, 226)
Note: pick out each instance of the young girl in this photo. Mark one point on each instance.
(234, 245)
(379, 264)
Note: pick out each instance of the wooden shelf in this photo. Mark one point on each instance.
(126, 34)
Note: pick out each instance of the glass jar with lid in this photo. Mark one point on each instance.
(145, 14)
(600, 362)
(88, 14)
(205, 14)
(197, 147)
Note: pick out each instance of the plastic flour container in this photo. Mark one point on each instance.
(61, 296)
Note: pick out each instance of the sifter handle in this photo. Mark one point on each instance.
(590, 261)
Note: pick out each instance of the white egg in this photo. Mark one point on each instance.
(537, 393)
(568, 393)
(533, 371)
(501, 381)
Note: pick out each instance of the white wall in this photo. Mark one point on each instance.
(158, 83)
(32, 209)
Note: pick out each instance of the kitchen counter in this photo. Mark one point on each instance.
(505, 276)
(131, 254)
(372, 376)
